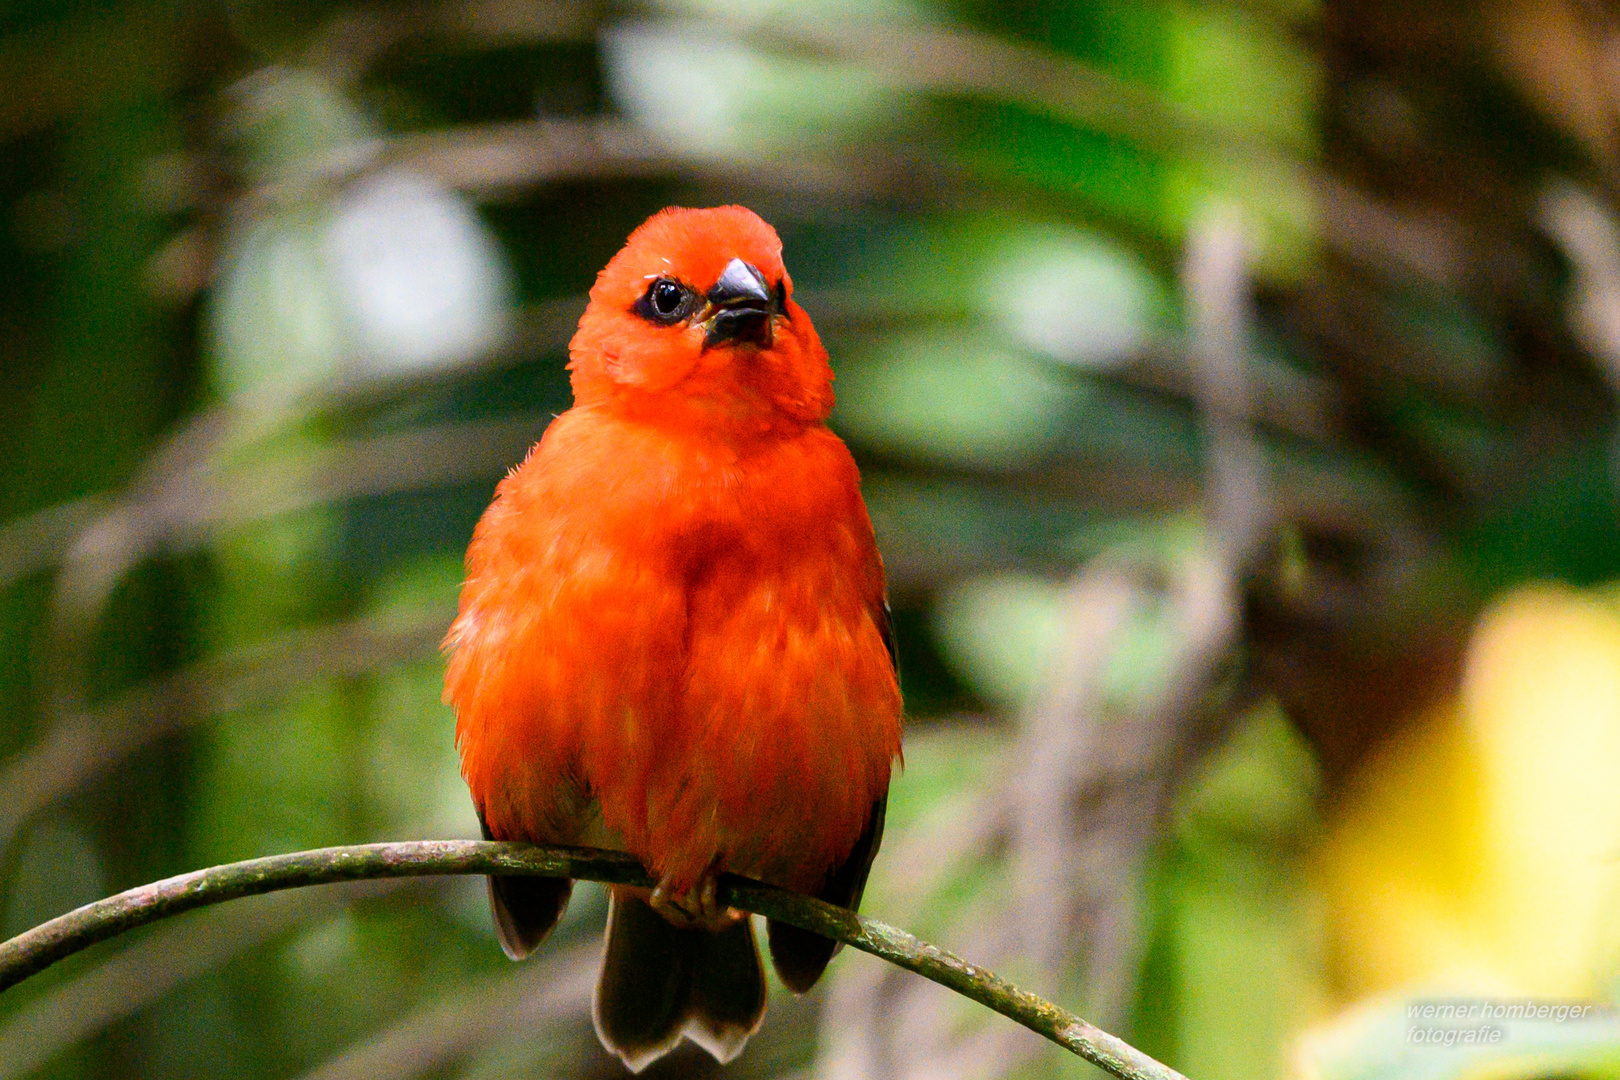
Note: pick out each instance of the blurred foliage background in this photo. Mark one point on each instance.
(1234, 387)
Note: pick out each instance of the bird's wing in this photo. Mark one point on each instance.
(799, 955)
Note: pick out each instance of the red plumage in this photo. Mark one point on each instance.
(672, 637)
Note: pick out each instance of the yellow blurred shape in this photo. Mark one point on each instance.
(1479, 850)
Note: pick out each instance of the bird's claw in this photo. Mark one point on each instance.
(698, 907)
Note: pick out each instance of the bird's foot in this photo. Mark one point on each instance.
(697, 907)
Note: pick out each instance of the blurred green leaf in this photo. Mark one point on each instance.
(952, 398)
(1001, 631)
(1384, 1040)
(706, 91)
(290, 125)
(1074, 297)
(1231, 968)
(277, 779)
(1238, 67)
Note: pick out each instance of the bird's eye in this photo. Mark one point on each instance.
(667, 297)
(665, 301)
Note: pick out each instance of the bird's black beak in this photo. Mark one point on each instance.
(740, 307)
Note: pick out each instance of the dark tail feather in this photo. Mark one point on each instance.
(801, 956)
(728, 991)
(660, 982)
(525, 910)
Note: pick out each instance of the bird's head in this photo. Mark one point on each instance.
(695, 319)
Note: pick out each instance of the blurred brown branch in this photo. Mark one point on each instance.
(174, 510)
(354, 38)
(84, 745)
(491, 159)
(1097, 772)
(1123, 767)
(184, 497)
(877, 1023)
(556, 984)
(959, 60)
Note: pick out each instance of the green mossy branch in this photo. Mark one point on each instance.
(32, 952)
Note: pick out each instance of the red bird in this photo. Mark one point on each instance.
(673, 639)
